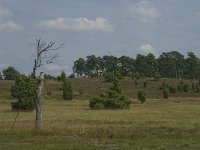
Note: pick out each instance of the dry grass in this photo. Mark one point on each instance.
(156, 124)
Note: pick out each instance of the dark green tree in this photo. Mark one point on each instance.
(10, 73)
(192, 69)
(67, 90)
(141, 65)
(141, 96)
(25, 90)
(79, 67)
(152, 65)
(1, 78)
(126, 66)
(63, 76)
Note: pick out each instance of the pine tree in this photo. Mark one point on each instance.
(67, 90)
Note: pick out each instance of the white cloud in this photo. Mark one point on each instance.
(144, 11)
(4, 12)
(77, 24)
(147, 48)
(56, 68)
(9, 26)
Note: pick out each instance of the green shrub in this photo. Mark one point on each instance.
(172, 89)
(180, 88)
(136, 83)
(62, 76)
(157, 76)
(110, 100)
(145, 84)
(116, 86)
(142, 96)
(67, 90)
(25, 90)
(193, 86)
(137, 75)
(109, 76)
(185, 87)
(197, 88)
(166, 93)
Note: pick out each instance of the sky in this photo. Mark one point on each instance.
(95, 27)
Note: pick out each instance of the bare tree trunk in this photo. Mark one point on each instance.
(39, 103)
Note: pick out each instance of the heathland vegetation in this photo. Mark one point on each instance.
(107, 103)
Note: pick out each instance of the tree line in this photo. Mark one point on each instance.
(171, 64)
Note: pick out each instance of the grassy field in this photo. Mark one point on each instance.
(158, 124)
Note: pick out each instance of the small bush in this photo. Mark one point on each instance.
(193, 86)
(145, 84)
(67, 90)
(197, 88)
(142, 96)
(172, 89)
(166, 93)
(157, 76)
(180, 88)
(137, 75)
(185, 87)
(160, 88)
(109, 77)
(110, 99)
(25, 90)
(136, 82)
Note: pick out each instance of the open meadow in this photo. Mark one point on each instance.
(158, 124)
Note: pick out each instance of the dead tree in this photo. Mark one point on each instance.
(44, 55)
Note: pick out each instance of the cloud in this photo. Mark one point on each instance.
(4, 12)
(144, 11)
(9, 26)
(147, 48)
(77, 24)
(56, 68)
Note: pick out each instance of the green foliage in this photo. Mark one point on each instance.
(137, 75)
(166, 93)
(157, 76)
(116, 86)
(25, 90)
(136, 83)
(141, 96)
(185, 87)
(110, 99)
(63, 76)
(145, 84)
(197, 88)
(193, 86)
(10, 73)
(180, 87)
(109, 76)
(71, 76)
(67, 90)
(172, 89)
(59, 78)
(1, 78)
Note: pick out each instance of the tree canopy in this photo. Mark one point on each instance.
(171, 64)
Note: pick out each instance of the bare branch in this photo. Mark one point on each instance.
(42, 52)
